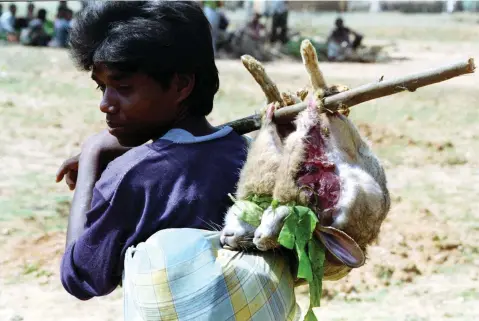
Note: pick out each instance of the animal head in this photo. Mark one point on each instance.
(236, 234)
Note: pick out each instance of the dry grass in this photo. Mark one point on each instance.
(423, 267)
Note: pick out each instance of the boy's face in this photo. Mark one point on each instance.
(137, 107)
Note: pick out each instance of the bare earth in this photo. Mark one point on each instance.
(425, 266)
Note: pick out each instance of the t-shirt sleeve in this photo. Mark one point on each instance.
(92, 265)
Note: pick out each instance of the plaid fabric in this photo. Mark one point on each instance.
(184, 274)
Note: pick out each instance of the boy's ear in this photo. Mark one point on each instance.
(184, 85)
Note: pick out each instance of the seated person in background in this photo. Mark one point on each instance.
(339, 41)
(36, 34)
(255, 27)
(7, 23)
(253, 39)
(250, 39)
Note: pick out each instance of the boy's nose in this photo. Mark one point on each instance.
(108, 109)
(108, 104)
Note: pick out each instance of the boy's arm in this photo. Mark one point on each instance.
(96, 154)
(88, 174)
(98, 225)
(92, 263)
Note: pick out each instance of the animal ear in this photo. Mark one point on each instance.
(341, 245)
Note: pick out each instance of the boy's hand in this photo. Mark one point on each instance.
(100, 148)
(69, 170)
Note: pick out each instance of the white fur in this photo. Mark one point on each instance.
(257, 177)
(271, 224)
(236, 233)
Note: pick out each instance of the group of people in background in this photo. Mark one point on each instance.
(250, 37)
(35, 29)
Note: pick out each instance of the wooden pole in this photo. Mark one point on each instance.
(361, 94)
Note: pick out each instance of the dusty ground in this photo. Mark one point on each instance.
(423, 267)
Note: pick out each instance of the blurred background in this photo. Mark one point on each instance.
(425, 265)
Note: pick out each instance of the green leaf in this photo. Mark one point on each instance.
(317, 256)
(316, 253)
(274, 204)
(301, 210)
(263, 201)
(306, 225)
(297, 233)
(304, 269)
(310, 316)
(248, 212)
(287, 236)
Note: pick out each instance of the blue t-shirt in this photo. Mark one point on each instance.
(177, 181)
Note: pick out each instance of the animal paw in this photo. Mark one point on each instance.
(335, 89)
(266, 235)
(269, 112)
(290, 98)
(264, 242)
(302, 93)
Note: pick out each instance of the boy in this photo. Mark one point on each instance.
(154, 64)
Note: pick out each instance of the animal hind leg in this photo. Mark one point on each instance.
(259, 172)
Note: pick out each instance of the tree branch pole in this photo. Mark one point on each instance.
(361, 94)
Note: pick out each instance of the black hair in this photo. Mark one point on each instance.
(61, 12)
(68, 12)
(42, 14)
(12, 7)
(159, 38)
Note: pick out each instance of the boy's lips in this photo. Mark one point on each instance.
(112, 124)
(115, 128)
(116, 131)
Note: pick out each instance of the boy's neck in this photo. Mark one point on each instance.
(196, 126)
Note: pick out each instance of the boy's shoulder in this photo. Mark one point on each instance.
(169, 154)
(117, 170)
(182, 137)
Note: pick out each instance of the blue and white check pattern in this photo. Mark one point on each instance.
(184, 274)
